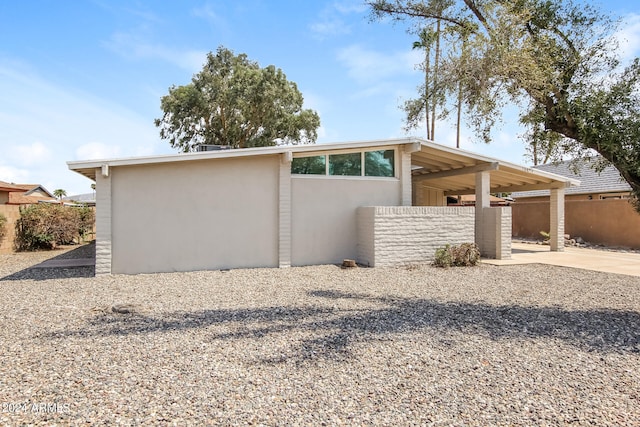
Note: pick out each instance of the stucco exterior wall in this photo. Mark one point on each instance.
(323, 224)
(611, 222)
(12, 213)
(209, 214)
(397, 235)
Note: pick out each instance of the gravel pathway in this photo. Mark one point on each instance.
(514, 345)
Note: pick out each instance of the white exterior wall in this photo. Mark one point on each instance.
(324, 226)
(397, 235)
(184, 216)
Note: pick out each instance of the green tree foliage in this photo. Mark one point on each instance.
(234, 102)
(554, 59)
(44, 226)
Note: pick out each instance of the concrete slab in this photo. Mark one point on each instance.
(587, 259)
(66, 263)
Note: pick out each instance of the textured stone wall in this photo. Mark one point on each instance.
(392, 235)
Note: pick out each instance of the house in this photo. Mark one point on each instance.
(379, 202)
(597, 211)
(23, 194)
(12, 197)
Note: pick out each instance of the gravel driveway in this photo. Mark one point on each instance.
(512, 345)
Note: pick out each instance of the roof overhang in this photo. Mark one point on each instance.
(452, 171)
(88, 168)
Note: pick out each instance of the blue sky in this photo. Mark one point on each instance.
(83, 79)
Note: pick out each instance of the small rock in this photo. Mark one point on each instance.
(124, 308)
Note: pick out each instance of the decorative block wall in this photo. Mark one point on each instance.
(394, 235)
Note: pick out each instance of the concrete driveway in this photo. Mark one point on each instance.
(587, 259)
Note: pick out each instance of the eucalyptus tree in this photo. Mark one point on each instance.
(555, 60)
(235, 102)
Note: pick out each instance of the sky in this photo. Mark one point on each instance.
(82, 80)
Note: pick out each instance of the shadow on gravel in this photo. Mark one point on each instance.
(334, 330)
(43, 272)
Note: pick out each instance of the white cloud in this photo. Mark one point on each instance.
(368, 66)
(97, 150)
(134, 46)
(29, 155)
(12, 174)
(330, 23)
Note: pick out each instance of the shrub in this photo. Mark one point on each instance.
(44, 226)
(464, 255)
(3, 226)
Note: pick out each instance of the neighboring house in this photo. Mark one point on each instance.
(12, 196)
(378, 202)
(597, 211)
(87, 199)
(23, 194)
(607, 184)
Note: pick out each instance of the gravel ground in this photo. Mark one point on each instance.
(511, 345)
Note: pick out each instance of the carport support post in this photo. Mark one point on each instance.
(483, 181)
(556, 232)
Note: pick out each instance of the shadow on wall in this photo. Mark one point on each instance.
(334, 331)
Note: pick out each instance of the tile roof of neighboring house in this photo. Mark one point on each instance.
(20, 194)
(607, 181)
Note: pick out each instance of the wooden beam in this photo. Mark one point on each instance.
(455, 172)
(510, 189)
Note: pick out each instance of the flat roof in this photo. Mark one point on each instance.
(433, 165)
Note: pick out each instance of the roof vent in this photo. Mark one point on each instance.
(211, 147)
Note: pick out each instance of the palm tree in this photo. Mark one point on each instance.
(59, 193)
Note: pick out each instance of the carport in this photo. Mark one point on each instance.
(439, 171)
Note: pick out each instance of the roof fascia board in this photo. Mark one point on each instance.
(242, 152)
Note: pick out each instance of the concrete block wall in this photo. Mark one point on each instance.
(393, 235)
(496, 236)
(12, 213)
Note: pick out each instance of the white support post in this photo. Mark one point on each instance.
(284, 211)
(405, 174)
(556, 232)
(483, 181)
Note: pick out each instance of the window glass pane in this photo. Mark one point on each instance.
(379, 163)
(345, 164)
(315, 165)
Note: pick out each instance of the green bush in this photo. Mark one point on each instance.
(464, 255)
(3, 226)
(45, 226)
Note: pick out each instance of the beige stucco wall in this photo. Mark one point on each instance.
(611, 222)
(197, 215)
(496, 236)
(12, 213)
(324, 225)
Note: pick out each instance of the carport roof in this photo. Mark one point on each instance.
(453, 171)
(437, 166)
